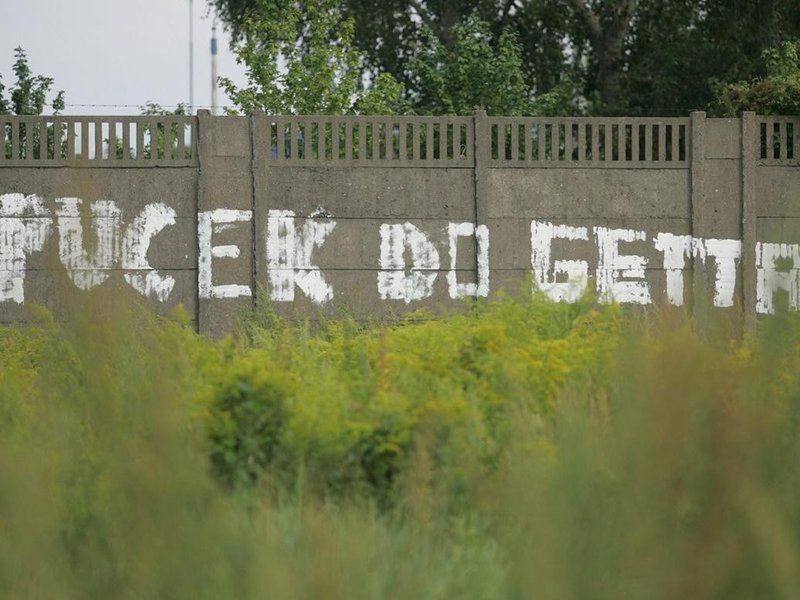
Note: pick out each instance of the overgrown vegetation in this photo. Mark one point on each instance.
(517, 449)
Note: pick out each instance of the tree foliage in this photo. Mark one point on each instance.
(681, 51)
(777, 93)
(611, 56)
(300, 59)
(28, 96)
(474, 72)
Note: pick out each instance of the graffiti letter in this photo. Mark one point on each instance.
(135, 243)
(772, 276)
(612, 265)
(19, 237)
(727, 254)
(85, 270)
(208, 223)
(576, 271)
(481, 233)
(289, 257)
(676, 249)
(393, 283)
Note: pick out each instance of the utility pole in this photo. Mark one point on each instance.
(191, 57)
(214, 85)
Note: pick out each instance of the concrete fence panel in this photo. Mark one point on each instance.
(376, 216)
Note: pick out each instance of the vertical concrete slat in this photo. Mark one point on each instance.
(57, 130)
(662, 145)
(322, 133)
(772, 151)
(541, 139)
(84, 127)
(126, 140)
(280, 139)
(568, 140)
(362, 140)
(139, 140)
(70, 154)
(29, 139)
(648, 142)
(348, 140)
(415, 141)
(697, 156)
(469, 150)
(291, 128)
(783, 139)
(528, 145)
(443, 140)
(153, 127)
(15, 151)
(388, 139)
(336, 128)
(170, 139)
(428, 141)
(3, 139)
(636, 131)
(524, 141)
(98, 140)
(581, 142)
(181, 151)
(515, 142)
(112, 139)
(307, 140)
(748, 154)
(403, 141)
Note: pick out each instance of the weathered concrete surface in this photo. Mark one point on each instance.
(223, 221)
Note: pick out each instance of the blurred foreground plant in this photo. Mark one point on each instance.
(518, 449)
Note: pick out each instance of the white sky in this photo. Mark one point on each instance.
(116, 52)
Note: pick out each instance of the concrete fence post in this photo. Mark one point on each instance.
(482, 141)
(697, 196)
(261, 144)
(225, 266)
(749, 156)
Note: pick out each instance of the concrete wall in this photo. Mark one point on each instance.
(373, 217)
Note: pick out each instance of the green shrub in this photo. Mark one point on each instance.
(516, 449)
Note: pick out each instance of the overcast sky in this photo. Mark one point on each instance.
(115, 52)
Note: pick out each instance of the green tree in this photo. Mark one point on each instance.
(29, 94)
(776, 93)
(393, 34)
(624, 56)
(473, 71)
(681, 51)
(300, 59)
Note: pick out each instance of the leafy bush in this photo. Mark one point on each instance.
(777, 93)
(520, 448)
(247, 425)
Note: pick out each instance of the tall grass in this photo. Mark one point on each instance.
(518, 449)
